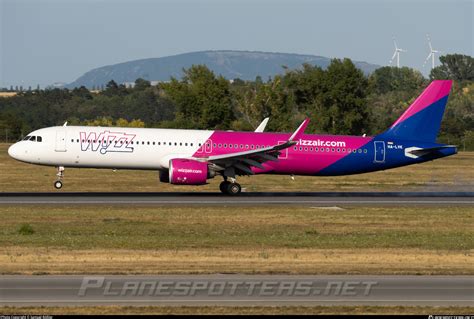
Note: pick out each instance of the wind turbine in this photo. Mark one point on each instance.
(432, 53)
(396, 53)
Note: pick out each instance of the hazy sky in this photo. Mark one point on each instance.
(46, 41)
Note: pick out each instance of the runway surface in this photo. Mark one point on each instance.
(243, 290)
(253, 199)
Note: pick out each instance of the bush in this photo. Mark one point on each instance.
(468, 141)
(26, 229)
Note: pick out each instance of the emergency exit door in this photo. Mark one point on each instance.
(60, 141)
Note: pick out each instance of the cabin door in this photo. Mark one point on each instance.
(60, 141)
(379, 151)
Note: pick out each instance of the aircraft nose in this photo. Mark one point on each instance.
(14, 151)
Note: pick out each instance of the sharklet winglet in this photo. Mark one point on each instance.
(299, 131)
(262, 125)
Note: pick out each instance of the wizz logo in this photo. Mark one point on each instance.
(106, 142)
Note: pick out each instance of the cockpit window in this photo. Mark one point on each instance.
(33, 138)
(39, 139)
(26, 138)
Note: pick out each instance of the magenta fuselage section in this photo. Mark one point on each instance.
(187, 172)
(309, 156)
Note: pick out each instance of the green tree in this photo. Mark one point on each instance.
(456, 67)
(113, 89)
(389, 79)
(137, 123)
(344, 99)
(82, 92)
(100, 121)
(141, 84)
(11, 127)
(202, 99)
(121, 122)
(458, 119)
(307, 87)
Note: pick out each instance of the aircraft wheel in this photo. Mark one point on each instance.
(58, 184)
(234, 188)
(223, 186)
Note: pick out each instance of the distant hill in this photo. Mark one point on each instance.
(245, 65)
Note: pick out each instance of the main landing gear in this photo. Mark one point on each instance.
(230, 187)
(58, 184)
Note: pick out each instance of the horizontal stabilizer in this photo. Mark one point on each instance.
(415, 152)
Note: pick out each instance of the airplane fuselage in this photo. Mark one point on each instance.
(151, 149)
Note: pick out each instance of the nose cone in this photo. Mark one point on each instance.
(15, 151)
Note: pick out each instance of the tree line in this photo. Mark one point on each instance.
(339, 100)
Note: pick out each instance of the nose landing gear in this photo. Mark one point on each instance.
(58, 184)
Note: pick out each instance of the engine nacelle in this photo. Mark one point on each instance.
(188, 172)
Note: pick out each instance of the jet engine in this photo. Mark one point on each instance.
(188, 172)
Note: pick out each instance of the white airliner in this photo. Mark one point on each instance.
(191, 157)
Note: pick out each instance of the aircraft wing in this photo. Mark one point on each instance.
(241, 163)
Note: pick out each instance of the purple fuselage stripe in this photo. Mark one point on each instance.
(312, 154)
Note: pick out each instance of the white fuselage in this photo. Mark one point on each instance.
(108, 147)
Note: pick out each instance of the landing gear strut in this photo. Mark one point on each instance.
(60, 175)
(230, 188)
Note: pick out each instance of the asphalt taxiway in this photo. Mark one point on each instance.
(253, 199)
(236, 290)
